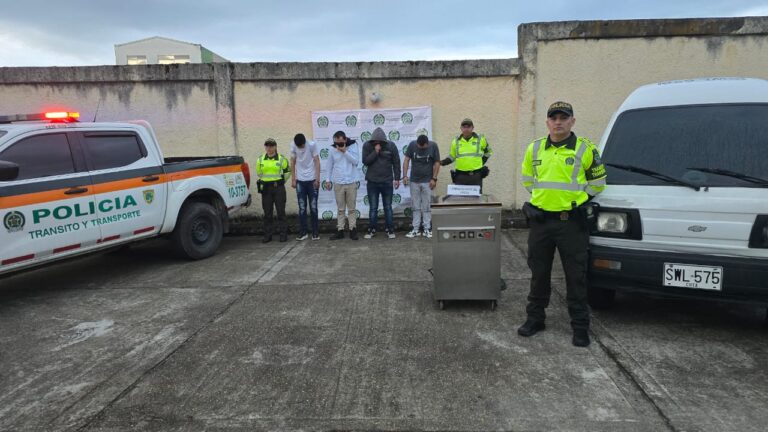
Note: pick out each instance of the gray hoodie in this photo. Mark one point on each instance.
(383, 166)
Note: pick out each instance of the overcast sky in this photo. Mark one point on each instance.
(79, 32)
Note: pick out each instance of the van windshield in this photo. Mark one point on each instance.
(670, 140)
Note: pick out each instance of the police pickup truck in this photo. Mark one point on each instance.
(69, 188)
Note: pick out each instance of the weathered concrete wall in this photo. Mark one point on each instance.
(218, 109)
(280, 109)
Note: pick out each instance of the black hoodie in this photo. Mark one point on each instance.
(383, 166)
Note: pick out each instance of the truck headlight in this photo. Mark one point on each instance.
(618, 223)
(612, 222)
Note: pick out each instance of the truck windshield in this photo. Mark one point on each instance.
(679, 141)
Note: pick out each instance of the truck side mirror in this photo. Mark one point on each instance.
(8, 171)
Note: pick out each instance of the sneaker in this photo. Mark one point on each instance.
(338, 236)
(413, 233)
(530, 328)
(352, 234)
(302, 236)
(428, 233)
(390, 234)
(580, 338)
(315, 237)
(370, 234)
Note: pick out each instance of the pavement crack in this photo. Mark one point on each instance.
(284, 255)
(341, 365)
(623, 368)
(630, 375)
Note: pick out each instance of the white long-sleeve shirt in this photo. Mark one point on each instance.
(342, 166)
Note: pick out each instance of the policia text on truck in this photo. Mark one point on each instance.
(68, 188)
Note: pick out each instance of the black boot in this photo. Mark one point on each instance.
(353, 234)
(267, 238)
(338, 236)
(283, 237)
(580, 337)
(530, 328)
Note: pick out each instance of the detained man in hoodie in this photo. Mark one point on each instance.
(382, 159)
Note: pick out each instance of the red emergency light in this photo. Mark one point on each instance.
(62, 115)
(54, 116)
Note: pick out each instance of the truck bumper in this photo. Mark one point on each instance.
(744, 279)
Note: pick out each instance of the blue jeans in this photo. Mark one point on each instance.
(386, 190)
(305, 191)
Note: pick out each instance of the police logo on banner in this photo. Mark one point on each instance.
(378, 119)
(149, 196)
(322, 121)
(351, 121)
(14, 221)
(406, 118)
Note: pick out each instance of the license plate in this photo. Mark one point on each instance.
(693, 276)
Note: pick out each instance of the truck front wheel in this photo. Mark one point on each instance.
(198, 231)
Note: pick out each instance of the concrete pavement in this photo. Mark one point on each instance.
(345, 335)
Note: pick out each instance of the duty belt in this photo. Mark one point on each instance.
(561, 215)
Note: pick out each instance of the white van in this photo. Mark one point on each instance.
(685, 212)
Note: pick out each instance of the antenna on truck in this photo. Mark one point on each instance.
(98, 104)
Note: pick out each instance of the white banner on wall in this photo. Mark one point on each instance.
(401, 125)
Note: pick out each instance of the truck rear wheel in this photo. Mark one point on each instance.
(198, 232)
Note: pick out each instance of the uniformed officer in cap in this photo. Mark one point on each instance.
(273, 169)
(562, 172)
(470, 151)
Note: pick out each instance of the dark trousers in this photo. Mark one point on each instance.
(306, 192)
(273, 197)
(571, 239)
(386, 190)
(469, 178)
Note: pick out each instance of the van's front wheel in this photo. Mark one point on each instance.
(198, 232)
(600, 298)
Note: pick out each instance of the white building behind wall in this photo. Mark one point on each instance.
(160, 50)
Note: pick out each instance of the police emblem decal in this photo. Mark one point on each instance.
(569, 161)
(14, 221)
(149, 196)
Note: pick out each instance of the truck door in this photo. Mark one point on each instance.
(129, 183)
(48, 209)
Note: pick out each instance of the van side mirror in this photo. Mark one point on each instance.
(8, 171)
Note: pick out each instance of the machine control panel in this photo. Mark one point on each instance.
(471, 234)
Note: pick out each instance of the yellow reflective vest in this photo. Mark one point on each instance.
(557, 177)
(272, 169)
(468, 154)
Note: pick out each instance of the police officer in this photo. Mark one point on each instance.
(562, 172)
(470, 151)
(273, 169)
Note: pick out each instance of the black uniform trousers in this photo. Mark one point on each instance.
(471, 178)
(273, 197)
(571, 239)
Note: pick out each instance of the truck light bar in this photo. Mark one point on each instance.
(56, 116)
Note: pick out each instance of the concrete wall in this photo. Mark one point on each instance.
(217, 109)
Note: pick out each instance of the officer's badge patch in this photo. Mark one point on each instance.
(149, 196)
(569, 161)
(596, 157)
